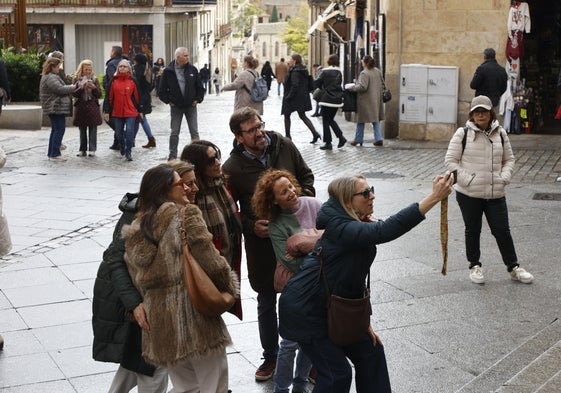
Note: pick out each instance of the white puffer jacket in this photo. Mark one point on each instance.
(487, 162)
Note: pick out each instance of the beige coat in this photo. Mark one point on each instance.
(369, 89)
(281, 69)
(486, 165)
(242, 85)
(177, 330)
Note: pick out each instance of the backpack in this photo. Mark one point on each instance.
(259, 92)
(464, 139)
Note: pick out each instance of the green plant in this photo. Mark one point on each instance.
(24, 75)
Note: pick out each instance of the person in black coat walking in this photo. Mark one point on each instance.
(116, 307)
(297, 96)
(267, 74)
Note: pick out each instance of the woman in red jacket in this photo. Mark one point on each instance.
(123, 106)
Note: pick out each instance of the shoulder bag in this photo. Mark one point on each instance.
(204, 295)
(348, 320)
(387, 94)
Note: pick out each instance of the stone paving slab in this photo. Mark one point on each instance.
(440, 332)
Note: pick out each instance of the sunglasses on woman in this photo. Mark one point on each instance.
(366, 192)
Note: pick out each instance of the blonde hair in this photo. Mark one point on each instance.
(79, 70)
(181, 167)
(343, 189)
(50, 64)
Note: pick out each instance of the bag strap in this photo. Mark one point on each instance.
(322, 272)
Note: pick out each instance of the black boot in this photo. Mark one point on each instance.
(327, 146)
(342, 142)
(317, 137)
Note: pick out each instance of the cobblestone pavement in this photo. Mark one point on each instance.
(442, 334)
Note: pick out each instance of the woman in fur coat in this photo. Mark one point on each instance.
(192, 346)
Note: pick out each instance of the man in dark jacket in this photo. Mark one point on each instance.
(490, 78)
(116, 306)
(182, 89)
(256, 150)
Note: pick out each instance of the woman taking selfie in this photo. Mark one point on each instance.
(345, 253)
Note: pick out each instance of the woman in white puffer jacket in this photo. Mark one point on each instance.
(482, 156)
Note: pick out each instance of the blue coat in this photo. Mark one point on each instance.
(348, 248)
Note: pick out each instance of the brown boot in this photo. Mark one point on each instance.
(151, 143)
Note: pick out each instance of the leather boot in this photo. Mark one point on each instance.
(151, 143)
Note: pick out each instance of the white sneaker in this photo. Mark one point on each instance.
(476, 275)
(519, 274)
(57, 158)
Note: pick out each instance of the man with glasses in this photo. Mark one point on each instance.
(255, 151)
(181, 87)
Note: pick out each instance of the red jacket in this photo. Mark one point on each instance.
(123, 96)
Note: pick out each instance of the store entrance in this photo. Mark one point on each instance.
(541, 65)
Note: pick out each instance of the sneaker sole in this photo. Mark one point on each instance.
(263, 378)
(522, 281)
(477, 281)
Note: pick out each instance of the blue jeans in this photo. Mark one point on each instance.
(145, 126)
(58, 127)
(177, 114)
(328, 118)
(334, 372)
(285, 366)
(496, 213)
(359, 133)
(124, 131)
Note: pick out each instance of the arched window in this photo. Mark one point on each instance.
(276, 49)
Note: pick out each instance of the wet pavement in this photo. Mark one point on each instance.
(441, 333)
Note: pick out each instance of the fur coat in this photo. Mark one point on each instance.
(177, 330)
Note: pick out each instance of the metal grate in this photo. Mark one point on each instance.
(547, 196)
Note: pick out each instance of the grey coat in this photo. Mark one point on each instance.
(55, 95)
(242, 85)
(369, 88)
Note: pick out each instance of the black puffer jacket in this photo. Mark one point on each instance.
(330, 80)
(296, 92)
(116, 338)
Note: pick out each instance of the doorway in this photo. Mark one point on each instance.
(541, 65)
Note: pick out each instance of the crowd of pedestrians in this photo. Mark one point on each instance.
(144, 318)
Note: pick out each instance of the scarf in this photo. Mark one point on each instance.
(220, 214)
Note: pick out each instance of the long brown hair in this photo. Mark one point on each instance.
(154, 188)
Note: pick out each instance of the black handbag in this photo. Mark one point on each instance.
(387, 94)
(348, 320)
(349, 101)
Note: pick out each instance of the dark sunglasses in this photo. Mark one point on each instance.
(212, 160)
(366, 192)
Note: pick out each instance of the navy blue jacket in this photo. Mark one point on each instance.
(348, 248)
(169, 91)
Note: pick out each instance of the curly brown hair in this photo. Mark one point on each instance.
(263, 198)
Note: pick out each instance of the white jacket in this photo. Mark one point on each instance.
(486, 165)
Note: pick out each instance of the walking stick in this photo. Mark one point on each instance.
(444, 234)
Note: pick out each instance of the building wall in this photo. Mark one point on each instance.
(441, 32)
